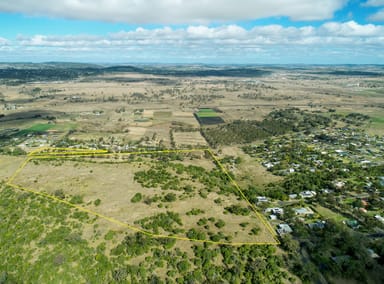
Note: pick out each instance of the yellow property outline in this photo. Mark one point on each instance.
(50, 152)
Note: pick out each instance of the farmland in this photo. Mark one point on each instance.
(172, 175)
(208, 116)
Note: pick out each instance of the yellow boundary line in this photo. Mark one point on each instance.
(40, 154)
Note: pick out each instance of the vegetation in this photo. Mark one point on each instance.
(238, 210)
(320, 150)
(137, 197)
(276, 123)
(169, 222)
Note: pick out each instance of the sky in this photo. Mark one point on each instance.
(193, 31)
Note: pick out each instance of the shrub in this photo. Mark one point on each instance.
(136, 198)
(220, 223)
(169, 197)
(76, 199)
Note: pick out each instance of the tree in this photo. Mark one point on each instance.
(136, 198)
(170, 197)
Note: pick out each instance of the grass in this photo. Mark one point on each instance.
(377, 119)
(376, 126)
(36, 128)
(39, 127)
(329, 214)
(207, 112)
(162, 114)
(43, 127)
(64, 126)
(77, 178)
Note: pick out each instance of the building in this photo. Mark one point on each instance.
(304, 211)
(317, 225)
(276, 210)
(262, 199)
(284, 229)
(379, 218)
(307, 194)
(292, 196)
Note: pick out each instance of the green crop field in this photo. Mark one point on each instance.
(40, 127)
(378, 119)
(207, 112)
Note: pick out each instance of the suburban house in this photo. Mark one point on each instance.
(284, 229)
(304, 211)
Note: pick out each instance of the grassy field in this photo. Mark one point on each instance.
(329, 214)
(39, 127)
(376, 126)
(114, 183)
(378, 120)
(206, 112)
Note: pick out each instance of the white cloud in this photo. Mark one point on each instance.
(378, 16)
(331, 32)
(175, 11)
(226, 43)
(374, 3)
(351, 28)
(3, 41)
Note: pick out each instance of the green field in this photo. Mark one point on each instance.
(207, 112)
(329, 214)
(39, 127)
(43, 127)
(378, 119)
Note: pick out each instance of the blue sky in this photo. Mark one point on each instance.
(193, 31)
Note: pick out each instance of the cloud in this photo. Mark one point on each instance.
(349, 41)
(374, 3)
(3, 41)
(175, 11)
(352, 29)
(225, 42)
(377, 17)
(228, 35)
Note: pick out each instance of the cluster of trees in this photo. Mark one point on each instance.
(166, 175)
(334, 251)
(169, 222)
(138, 258)
(157, 176)
(238, 210)
(275, 123)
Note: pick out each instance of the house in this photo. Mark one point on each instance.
(307, 194)
(372, 253)
(273, 217)
(351, 223)
(381, 181)
(284, 229)
(317, 225)
(363, 210)
(379, 218)
(341, 153)
(292, 196)
(339, 184)
(262, 199)
(268, 165)
(276, 210)
(304, 211)
(341, 259)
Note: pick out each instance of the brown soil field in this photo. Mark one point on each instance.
(183, 139)
(9, 165)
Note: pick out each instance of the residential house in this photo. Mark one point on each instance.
(284, 229)
(304, 211)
